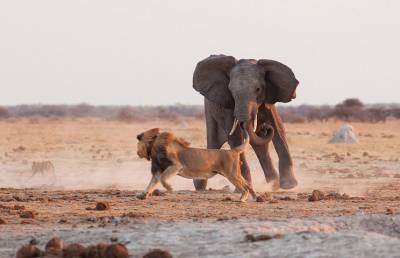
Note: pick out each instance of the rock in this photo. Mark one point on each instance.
(117, 251)
(336, 196)
(345, 134)
(389, 211)
(29, 251)
(264, 197)
(19, 207)
(97, 251)
(158, 253)
(2, 221)
(27, 215)
(224, 218)
(102, 206)
(263, 237)
(53, 252)
(316, 195)
(74, 251)
(34, 241)
(227, 199)
(157, 193)
(55, 243)
(62, 221)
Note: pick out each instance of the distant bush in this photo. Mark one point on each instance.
(348, 110)
(129, 115)
(4, 113)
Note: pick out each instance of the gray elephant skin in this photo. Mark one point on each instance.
(244, 92)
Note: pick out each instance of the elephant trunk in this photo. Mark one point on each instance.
(267, 132)
(246, 115)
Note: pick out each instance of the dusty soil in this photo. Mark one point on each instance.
(95, 161)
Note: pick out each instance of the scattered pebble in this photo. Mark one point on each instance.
(389, 211)
(264, 197)
(158, 193)
(116, 251)
(316, 195)
(227, 199)
(264, 237)
(158, 253)
(55, 243)
(29, 251)
(102, 206)
(27, 215)
(73, 251)
(96, 251)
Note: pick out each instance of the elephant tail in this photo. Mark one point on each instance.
(241, 148)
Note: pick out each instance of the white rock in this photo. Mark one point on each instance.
(345, 134)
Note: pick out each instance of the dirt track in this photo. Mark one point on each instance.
(95, 161)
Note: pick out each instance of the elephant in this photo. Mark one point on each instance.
(244, 92)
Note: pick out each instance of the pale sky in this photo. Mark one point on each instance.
(144, 52)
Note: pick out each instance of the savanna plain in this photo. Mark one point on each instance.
(95, 165)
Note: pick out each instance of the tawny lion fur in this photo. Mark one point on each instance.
(172, 156)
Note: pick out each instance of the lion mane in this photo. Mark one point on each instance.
(154, 146)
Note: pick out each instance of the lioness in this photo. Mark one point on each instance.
(171, 156)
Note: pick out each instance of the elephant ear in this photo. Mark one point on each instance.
(211, 79)
(280, 81)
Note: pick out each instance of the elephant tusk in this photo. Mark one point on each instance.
(235, 123)
(255, 124)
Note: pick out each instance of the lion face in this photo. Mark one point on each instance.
(145, 142)
(142, 150)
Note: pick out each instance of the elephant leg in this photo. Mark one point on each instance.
(287, 179)
(216, 137)
(262, 152)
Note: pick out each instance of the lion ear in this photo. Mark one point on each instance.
(151, 134)
(139, 137)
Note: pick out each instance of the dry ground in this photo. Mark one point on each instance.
(96, 161)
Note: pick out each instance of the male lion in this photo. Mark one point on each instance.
(171, 156)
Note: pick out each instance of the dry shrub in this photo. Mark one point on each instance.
(129, 115)
(4, 113)
(292, 117)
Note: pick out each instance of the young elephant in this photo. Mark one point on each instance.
(171, 156)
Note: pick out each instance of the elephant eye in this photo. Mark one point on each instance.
(258, 89)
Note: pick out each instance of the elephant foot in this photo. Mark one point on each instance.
(275, 185)
(287, 182)
(200, 184)
(272, 176)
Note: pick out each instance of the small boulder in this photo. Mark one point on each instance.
(263, 237)
(97, 251)
(345, 134)
(116, 251)
(158, 253)
(264, 197)
(157, 193)
(54, 247)
(27, 215)
(316, 195)
(74, 251)
(102, 206)
(29, 251)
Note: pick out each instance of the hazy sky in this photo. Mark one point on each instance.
(144, 52)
